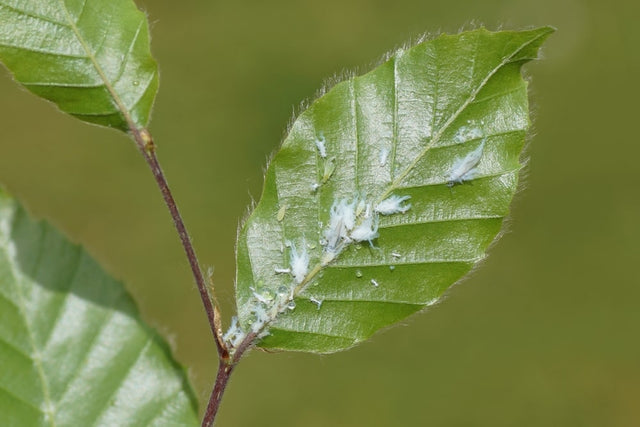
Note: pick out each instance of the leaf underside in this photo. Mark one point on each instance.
(90, 57)
(73, 350)
(399, 130)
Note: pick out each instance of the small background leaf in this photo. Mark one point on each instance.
(398, 129)
(73, 350)
(90, 57)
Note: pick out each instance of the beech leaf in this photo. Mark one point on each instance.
(90, 57)
(387, 190)
(73, 349)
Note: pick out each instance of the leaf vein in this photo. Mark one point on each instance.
(506, 59)
(33, 15)
(85, 360)
(43, 51)
(436, 221)
(16, 349)
(354, 109)
(495, 95)
(21, 399)
(394, 139)
(107, 401)
(312, 333)
(116, 97)
(67, 292)
(417, 262)
(127, 55)
(65, 85)
(146, 85)
(17, 279)
(477, 177)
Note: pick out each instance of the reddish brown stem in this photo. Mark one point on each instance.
(147, 148)
(225, 368)
(224, 372)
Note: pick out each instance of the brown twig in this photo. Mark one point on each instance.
(147, 147)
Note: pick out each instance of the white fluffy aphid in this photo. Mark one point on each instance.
(263, 297)
(316, 301)
(262, 318)
(465, 168)
(320, 144)
(299, 263)
(393, 205)
(368, 228)
(342, 219)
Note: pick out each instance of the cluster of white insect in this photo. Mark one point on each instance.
(350, 221)
(234, 335)
(393, 205)
(266, 305)
(356, 221)
(465, 168)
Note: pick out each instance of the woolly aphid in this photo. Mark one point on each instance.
(393, 205)
(235, 334)
(465, 168)
(368, 228)
(316, 301)
(343, 228)
(299, 263)
(342, 219)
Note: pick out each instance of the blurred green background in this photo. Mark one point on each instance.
(544, 334)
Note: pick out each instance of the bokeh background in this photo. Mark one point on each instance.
(545, 334)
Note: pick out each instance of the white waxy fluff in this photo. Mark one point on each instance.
(464, 169)
(316, 301)
(368, 228)
(393, 205)
(341, 220)
(265, 299)
(299, 263)
(320, 144)
(262, 318)
(234, 334)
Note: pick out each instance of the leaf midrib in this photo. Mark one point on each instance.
(116, 98)
(21, 304)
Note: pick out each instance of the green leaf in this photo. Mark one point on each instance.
(90, 57)
(443, 123)
(73, 350)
